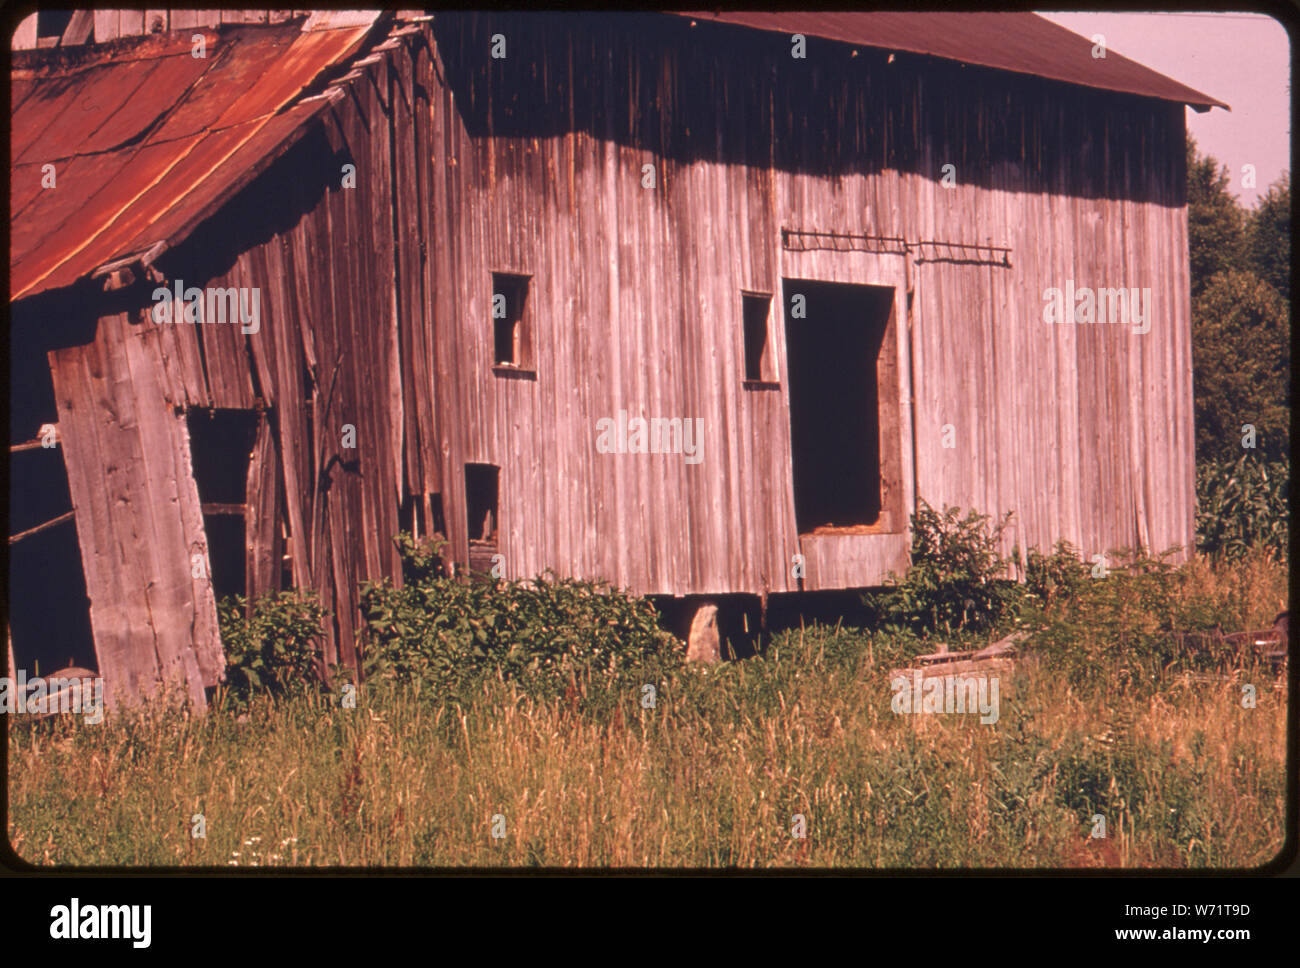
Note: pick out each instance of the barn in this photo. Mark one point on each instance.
(701, 304)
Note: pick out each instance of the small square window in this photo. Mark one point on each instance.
(758, 354)
(511, 330)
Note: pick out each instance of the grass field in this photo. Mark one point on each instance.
(1100, 718)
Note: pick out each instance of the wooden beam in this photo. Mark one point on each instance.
(332, 19)
(145, 257)
(184, 19)
(37, 441)
(24, 37)
(79, 28)
(214, 508)
(130, 23)
(107, 25)
(66, 516)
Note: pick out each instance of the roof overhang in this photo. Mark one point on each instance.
(1016, 41)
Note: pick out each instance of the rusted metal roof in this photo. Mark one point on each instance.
(146, 139)
(1013, 41)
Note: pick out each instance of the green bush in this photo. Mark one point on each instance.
(956, 585)
(1060, 575)
(1241, 360)
(544, 634)
(273, 652)
(1242, 504)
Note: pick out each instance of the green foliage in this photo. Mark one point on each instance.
(1145, 621)
(544, 634)
(1242, 504)
(712, 774)
(275, 651)
(1134, 597)
(1268, 237)
(1215, 221)
(1241, 351)
(956, 585)
(1241, 324)
(1058, 575)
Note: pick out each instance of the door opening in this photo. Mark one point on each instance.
(482, 495)
(221, 446)
(834, 335)
(49, 609)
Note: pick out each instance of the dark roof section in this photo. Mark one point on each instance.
(1013, 41)
(146, 139)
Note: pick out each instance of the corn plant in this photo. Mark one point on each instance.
(1242, 504)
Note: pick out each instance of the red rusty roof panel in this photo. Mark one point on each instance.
(274, 138)
(190, 162)
(1011, 41)
(80, 113)
(24, 187)
(238, 62)
(147, 139)
(88, 82)
(47, 211)
(36, 113)
(19, 89)
(170, 80)
(79, 212)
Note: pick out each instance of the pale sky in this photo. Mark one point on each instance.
(1241, 59)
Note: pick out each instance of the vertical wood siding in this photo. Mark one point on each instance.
(533, 164)
(138, 518)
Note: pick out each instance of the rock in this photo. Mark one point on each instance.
(702, 644)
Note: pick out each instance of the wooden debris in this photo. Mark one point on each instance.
(996, 659)
(66, 516)
(75, 679)
(1269, 644)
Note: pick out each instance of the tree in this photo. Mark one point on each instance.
(1268, 237)
(1215, 222)
(1241, 357)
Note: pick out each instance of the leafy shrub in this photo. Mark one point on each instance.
(1060, 575)
(544, 634)
(1242, 504)
(1142, 622)
(275, 651)
(1241, 359)
(956, 584)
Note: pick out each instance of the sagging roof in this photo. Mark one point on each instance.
(146, 139)
(1016, 41)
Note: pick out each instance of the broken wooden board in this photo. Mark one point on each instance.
(139, 523)
(72, 692)
(997, 659)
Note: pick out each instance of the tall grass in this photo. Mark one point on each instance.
(1102, 718)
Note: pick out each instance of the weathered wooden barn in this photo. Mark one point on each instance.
(700, 304)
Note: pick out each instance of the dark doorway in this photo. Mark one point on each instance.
(49, 609)
(221, 445)
(481, 507)
(834, 332)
